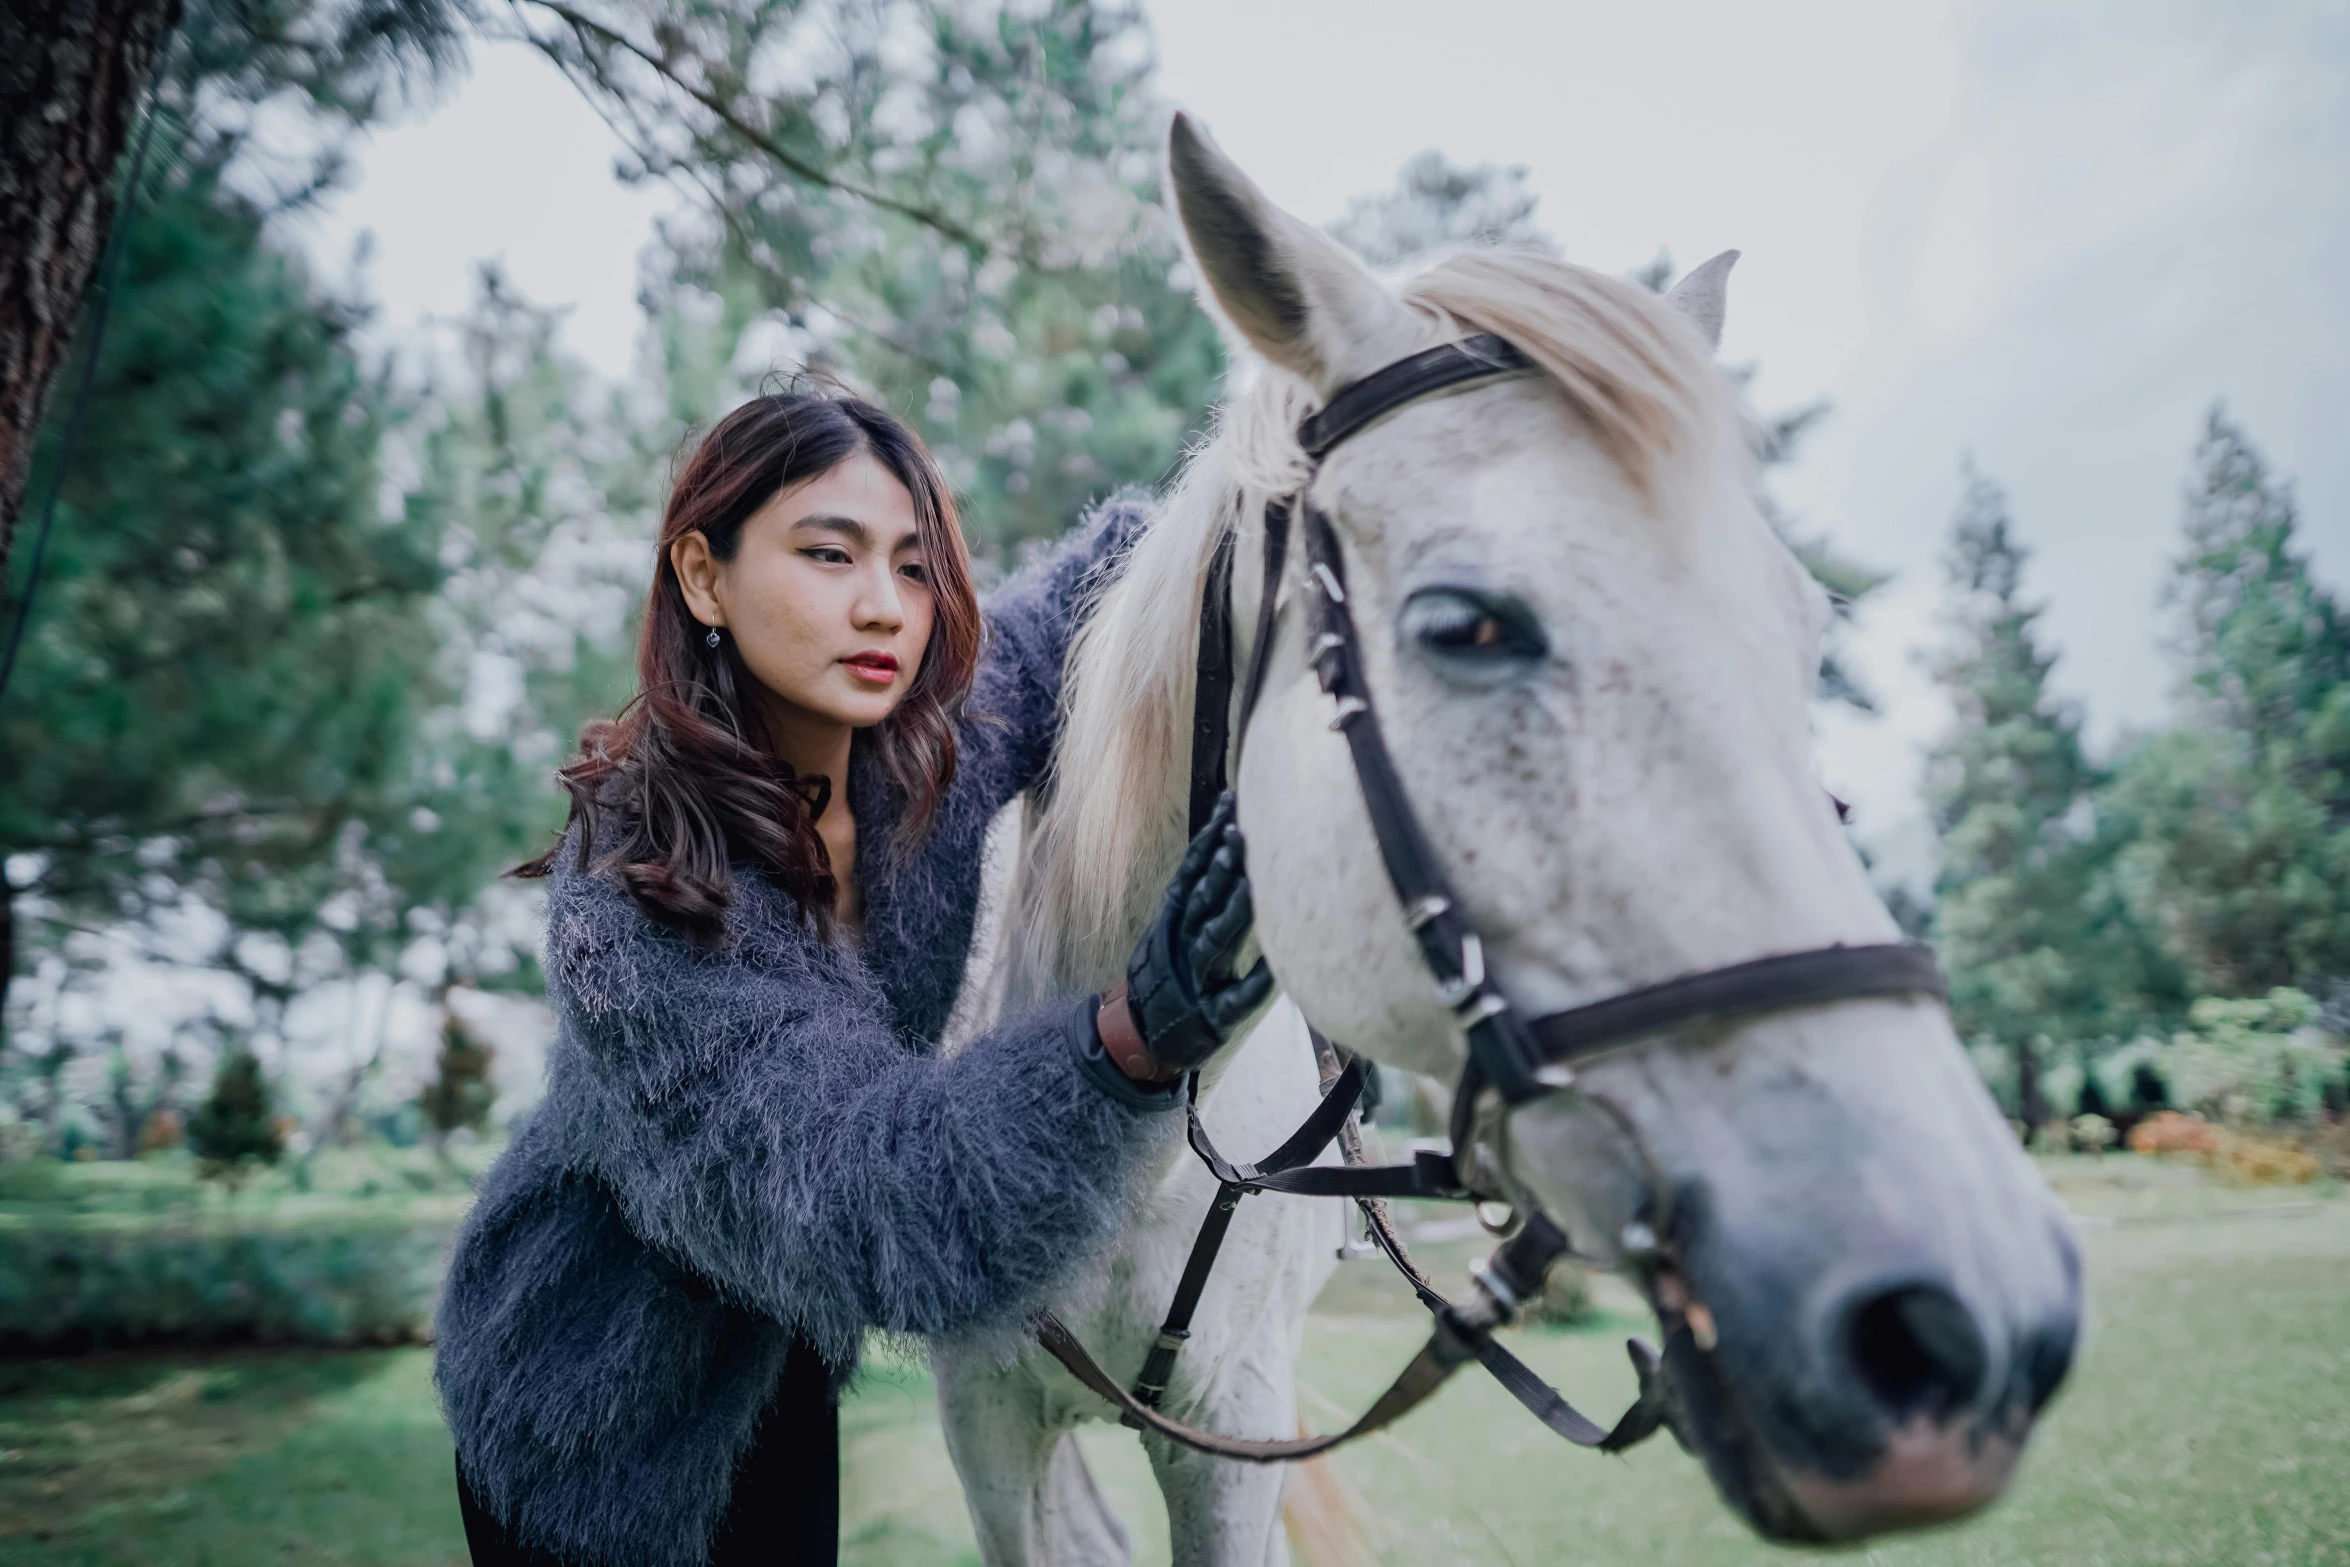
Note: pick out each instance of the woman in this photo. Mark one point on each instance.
(757, 922)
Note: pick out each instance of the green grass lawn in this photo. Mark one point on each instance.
(2208, 1423)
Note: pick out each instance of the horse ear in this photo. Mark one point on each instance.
(1702, 296)
(1293, 293)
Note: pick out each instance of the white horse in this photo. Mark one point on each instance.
(1593, 660)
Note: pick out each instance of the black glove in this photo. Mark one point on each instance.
(1180, 988)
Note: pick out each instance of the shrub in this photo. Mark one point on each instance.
(2060, 1085)
(2130, 1080)
(2259, 1161)
(2235, 1157)
(235, 1128)
(2257, 1060)
(2330, 1143)
(2170, 1132)
(121, 1251)
(2092, 1133)
(334, 1279)
(162, 1132)
(459, 1097)
(1565, 1298)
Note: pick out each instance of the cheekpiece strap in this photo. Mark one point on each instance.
(1498, 1042)
(1211, 701)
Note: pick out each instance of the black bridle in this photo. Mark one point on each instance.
(1517, 1058)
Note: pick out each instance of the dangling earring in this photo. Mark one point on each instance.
(712, 638)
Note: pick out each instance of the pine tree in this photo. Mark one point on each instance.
(460, 1095)
(1436, 204)
(2266, 647)
(220, 660)
(222, 668)
(2241, 819)
(951, 206)
(236, 1126)
(2038, 944)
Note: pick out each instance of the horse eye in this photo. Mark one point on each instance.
(1474, 634)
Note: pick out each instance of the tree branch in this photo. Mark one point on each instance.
(586, 26)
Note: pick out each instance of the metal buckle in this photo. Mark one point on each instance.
(1489, 1280)
(1329, 580)
(1349, 707)
(1482, 1005)
(1456, 991)
(1420, 911)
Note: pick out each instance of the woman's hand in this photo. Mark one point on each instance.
(1181, 999)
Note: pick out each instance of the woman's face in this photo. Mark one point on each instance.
(828, 598)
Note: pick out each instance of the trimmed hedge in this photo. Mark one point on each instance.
(97, 1284)
(101, 1256)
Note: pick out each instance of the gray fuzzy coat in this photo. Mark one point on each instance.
(743, 1144)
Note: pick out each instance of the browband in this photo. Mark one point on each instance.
(1479, 358)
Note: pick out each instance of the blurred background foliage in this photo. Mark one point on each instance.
(317, 624)
(2183, 900)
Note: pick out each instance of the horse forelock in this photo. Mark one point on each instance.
(1113, 822)
(1626, 359)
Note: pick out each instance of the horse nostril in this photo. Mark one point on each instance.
(1918, 1350)
(2045, 1358)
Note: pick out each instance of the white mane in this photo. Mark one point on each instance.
(1097, 854)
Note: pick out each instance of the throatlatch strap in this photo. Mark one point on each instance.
(1235, 1181)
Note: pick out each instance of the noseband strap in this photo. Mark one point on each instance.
(1773, 984)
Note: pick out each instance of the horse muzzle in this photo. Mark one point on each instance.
(1898, 1407)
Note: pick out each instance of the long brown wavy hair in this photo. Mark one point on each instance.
(681, 774)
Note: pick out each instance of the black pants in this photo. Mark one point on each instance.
(785, 1511)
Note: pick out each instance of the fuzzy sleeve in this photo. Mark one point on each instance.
(1016, 700)
(759, 1123)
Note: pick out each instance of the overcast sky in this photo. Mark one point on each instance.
(2047, 235)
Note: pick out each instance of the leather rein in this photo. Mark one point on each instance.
(1512, 1056)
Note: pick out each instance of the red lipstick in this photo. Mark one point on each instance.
(879, 667)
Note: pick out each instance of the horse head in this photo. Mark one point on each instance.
(1594, 662)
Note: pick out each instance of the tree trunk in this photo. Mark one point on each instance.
(2029, 1098)
(71, 73)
